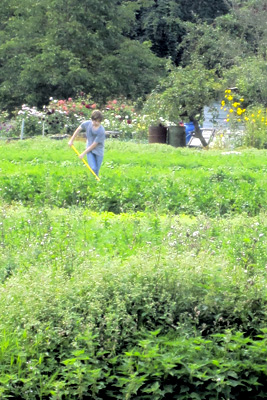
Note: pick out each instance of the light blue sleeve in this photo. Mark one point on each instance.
(84, 125)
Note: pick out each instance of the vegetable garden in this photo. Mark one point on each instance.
(150, 284)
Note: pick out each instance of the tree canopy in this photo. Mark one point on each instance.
(57, 48)
(108, 48)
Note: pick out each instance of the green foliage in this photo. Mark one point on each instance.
(63, 48)
(125, 306)
(132, 305)
(161, 178)
(250, 78)
(163, 23)
(256, 127)
(212, 45)
(183, 94)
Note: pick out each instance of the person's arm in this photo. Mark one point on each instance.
(78, 130)
(90, 148)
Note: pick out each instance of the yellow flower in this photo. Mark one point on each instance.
(239, 111)
(246, 119)
(227, 120)
(231, 110)
(241, 99)
(223, 103)
(230, 98)
(235, 104)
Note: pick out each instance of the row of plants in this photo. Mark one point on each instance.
(131, 306)
(34, 236)
(134, 178)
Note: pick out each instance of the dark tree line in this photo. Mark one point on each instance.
(109, 48)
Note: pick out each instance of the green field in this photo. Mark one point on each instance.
(150, 284)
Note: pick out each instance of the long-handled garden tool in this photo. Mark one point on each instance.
(87, 165)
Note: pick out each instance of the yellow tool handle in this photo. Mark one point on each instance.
(87, 165)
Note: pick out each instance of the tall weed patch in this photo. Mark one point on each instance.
(129, 306)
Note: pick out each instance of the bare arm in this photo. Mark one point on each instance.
(90, 148)
(78, 130)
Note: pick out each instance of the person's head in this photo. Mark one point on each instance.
(97, 116)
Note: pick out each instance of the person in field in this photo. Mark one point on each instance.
(95, 135)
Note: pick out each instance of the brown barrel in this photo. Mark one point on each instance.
(157, 134)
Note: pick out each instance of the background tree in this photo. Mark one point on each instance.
(212, 45)
(183, 95)
(162, 22)
(229, 39)
(250, 77)
(58, 48)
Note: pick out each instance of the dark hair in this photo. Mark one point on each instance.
(97, 115)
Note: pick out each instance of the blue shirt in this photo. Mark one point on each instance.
(94, 136)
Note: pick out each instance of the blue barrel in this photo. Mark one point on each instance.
(189, 128)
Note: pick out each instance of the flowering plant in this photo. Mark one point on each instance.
(158, 112)
(64, 116)
(252, 118)
(120, 116)
(59, 116)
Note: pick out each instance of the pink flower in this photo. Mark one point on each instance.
(69, 99)
(114, 101)
(129, 121)
(93, 105)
